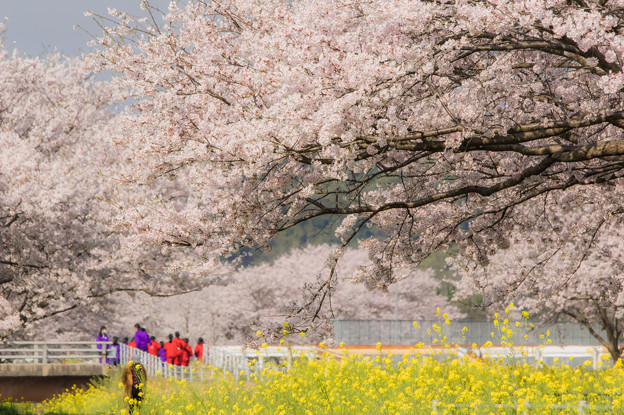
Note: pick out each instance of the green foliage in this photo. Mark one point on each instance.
(315, 231)
(16, 408)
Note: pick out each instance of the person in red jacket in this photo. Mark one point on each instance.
(131, 344)
(180, 344)
(153, 347)
(171, 350)
(199, 349)
(186, 354)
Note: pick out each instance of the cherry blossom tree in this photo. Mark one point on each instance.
(557, 269)
(57, 251)
(433, 122)
(255, 299)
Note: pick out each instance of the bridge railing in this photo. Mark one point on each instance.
(221, 360)
(53, 352)
(154, 366)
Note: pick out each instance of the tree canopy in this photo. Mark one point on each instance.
(433, 121)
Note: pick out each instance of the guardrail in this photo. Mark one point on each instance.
(53, 352)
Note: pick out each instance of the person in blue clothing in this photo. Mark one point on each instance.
(102, 337)
(141, 338)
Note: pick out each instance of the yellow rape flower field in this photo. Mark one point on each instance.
(426, 380)
(371, 385)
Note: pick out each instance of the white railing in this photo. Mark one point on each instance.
(240, 360)
(235, 360)
(564, 352)
(154, 366)
(53, 352)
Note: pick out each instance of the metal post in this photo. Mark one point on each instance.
(103, 349)
(44, 359)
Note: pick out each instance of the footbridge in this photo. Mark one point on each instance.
(35, 371)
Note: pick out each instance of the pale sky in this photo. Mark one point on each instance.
(36, 26)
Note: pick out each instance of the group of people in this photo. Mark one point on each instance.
(175, 351)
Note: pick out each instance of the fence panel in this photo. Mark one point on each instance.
(403, 332)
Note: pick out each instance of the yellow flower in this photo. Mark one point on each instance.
(378, 347)
(259, 333)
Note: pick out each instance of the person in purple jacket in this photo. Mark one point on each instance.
(162, 354)
(102, 337)
(141, 338)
